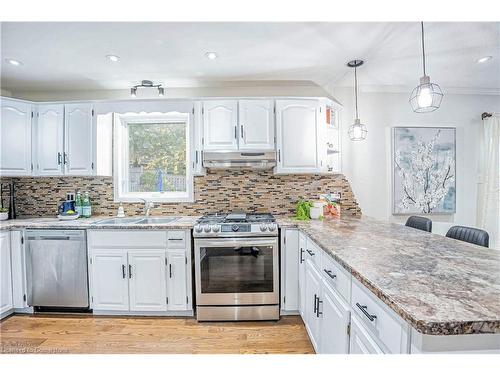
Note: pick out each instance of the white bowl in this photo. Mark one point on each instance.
(4, 215)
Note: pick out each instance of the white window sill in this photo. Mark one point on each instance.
(154, 198)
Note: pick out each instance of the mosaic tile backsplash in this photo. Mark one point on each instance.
(228, 190)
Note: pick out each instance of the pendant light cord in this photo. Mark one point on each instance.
(356, 89)
(423, 46)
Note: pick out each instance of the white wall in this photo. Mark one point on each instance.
(367, 164)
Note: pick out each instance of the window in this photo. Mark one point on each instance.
(152, 155)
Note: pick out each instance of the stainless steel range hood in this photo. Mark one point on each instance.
(239, 159)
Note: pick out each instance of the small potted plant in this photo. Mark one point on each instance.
(4, 213)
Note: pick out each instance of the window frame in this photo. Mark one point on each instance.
(121, 157)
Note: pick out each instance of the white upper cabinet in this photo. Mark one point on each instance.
(49, 135)
(147, 282)
(15, 136)
(256, 119)
(297, 136)
(78, 139)
(220, 125)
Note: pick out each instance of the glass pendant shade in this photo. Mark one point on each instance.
(426, 97)
(357, 131)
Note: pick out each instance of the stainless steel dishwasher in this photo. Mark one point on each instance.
(57, 272)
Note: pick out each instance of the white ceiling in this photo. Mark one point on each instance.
(71, 56)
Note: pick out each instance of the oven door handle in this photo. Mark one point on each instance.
(241, 242)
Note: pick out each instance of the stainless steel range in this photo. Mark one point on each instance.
(236, 267)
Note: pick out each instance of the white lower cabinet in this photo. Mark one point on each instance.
(177, 286)
(109, 280)
(290, 265)
(147, 283)
(335, 315)
(360, 341)
(6, 302)
(302, 274)
(138, 272)
(313, 293)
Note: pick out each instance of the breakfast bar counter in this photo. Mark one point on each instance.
(439, 285)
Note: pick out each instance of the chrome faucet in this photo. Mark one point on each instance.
(147, 206)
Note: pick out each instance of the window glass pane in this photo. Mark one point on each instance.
(157, 157)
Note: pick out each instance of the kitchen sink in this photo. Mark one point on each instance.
(117, 221)
(157, 220)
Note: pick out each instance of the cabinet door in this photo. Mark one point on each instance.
(313, 290)
(78, 139)
(198, 169)
(220, 126)
(302, 275)
(177, 281)
(361, 342)
(334, 322)
(49, 135)
(297, 136)
(256, 119)
(15, 138)
(110, 280)
(147, 281)
(6, 302)
(290, 274)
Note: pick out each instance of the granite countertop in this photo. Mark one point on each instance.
(184, 222)
(439, 285)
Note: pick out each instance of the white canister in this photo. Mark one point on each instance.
(316, 212)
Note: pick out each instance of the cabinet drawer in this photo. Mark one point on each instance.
(381, 322)
(127, 238)
(336, 276)
(176, 239)
(313, 253)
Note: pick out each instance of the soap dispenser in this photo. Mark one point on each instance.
(121, 212)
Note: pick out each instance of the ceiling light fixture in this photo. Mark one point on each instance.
(14, 62)
(484, 59)
(427, 96)
(211, 55)
(357, 131)
(113, 58)
(147, 84)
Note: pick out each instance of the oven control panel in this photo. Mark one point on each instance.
(233, 229)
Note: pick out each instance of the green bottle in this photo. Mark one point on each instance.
(78, 203)
(86, 207)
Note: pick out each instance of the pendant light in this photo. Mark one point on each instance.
(427, 96)
(357, 131)
(147, 84)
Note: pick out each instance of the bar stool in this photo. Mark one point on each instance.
(472, 235)
(419, 222)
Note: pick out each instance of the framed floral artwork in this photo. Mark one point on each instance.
(423, 170)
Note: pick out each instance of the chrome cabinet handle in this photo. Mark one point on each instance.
(129, 271)
(59, 158)
(330, 273)
(65, 158)
(175, 239)
(301, 252)
(235, 132)
(170, 270)
(123, 271)
(279, 156)
(196, 156)
(310, 252)
(242, 132)
(367, 314)
(315, 308)
(318, 313)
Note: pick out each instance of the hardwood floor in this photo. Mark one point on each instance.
(87, 334)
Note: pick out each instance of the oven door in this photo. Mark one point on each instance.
(241, 271)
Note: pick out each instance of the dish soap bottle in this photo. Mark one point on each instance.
(78, 203)
(86, 207)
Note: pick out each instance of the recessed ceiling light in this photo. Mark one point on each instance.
(484, 59)
(14, 62)
(211, 55)
(113, 58)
